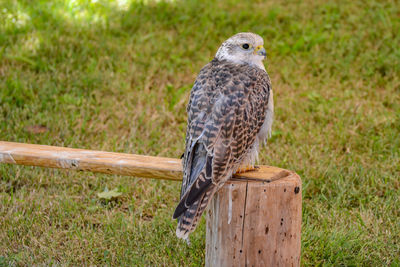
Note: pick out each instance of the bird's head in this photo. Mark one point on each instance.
(243, 48)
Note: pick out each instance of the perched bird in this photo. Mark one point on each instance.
(230, 114)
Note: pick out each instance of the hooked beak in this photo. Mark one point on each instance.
(260, 50)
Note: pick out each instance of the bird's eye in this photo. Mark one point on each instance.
(245, 46)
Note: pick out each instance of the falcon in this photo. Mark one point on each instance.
(230, 113)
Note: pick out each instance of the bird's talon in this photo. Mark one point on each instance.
(246, 168)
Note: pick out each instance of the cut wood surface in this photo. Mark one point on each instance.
(109, 162)
(253, 223)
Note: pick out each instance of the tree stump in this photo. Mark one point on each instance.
(254, 220)
(256, 223)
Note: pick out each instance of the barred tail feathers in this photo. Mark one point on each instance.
(187, 222)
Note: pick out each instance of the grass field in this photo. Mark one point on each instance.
(116, 76)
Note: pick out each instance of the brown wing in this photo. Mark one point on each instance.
(225, 112)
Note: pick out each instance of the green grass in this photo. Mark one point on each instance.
(117, 77)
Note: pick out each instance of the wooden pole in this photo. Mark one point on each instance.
(254, 223)
(105, 162)
(90, 160)
(253, 220)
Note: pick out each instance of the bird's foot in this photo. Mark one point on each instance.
(246, 168)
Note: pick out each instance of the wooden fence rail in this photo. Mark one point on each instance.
(254, 220)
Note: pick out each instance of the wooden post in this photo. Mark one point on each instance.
(254, 220)
(255, 223)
